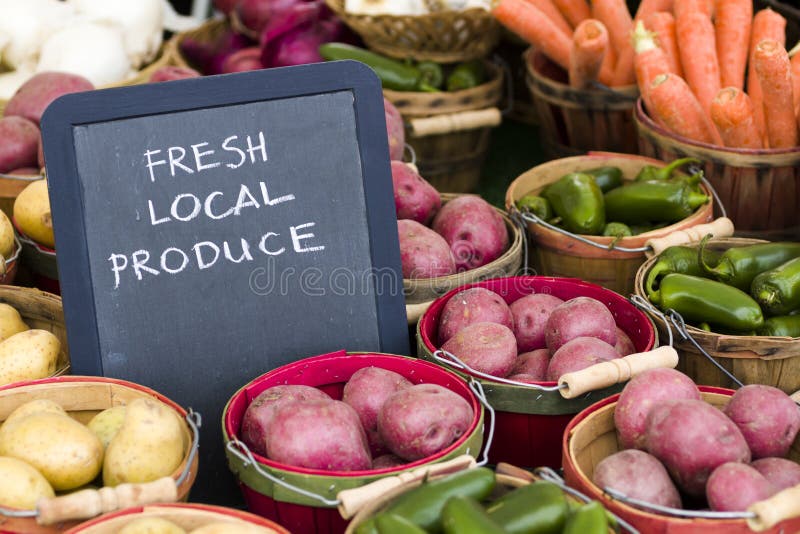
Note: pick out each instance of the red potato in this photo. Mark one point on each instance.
(579, 317)
(530, 318)
(168, 73)
(780, 472)
(423, 252)
(387, 461)
(638, 475)
(643, 392)
(486, 347)
(37, 93)
(474, 230)
(533, 364)
(19, 143)
(25, 171)
(261, 411)
(366, 391)
(420, 421)
(768, 418)
(692, 438)
(733, 487)
(474, 305)
(522, 377)
(414, 198)
(318, 434)
(577, 354)
(243, 60)
(395, 130)
(624, 344)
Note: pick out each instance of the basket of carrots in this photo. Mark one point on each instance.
(728, 93)
(580, 70)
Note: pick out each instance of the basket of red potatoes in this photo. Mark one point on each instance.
(529, 341)
(302, 433)
(669, 456)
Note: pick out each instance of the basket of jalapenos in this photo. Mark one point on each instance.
(732, 307)
(599, 216)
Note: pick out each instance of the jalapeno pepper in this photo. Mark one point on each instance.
(463, 514)
(395, 524)
(431, 73)
(705, 327)
(423, 505)
(588, 519)
(781, 326)
(537, 205)
(651, 172)
(617, 229)
(643, 202)
(466, 75)
(577, 199)
(367, 527)
(703, 300)
(778, 290)
(606, 178)
(740, 265)
(538, 508)
(676, 259)
(393, 74)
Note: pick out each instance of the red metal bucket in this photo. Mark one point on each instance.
(313, 509)
(529, 423)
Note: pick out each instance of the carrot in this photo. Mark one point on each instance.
(535, 27)
(682, 7)
(617, 19)
(771, 63)
(732, 114)
(648, 7)
(794, 54)
(767, 24)
(589, 45)
(551, 11)
(675, 106)
(575, 11)
(732, 25)
(650, 60)
(698, 55)
(663, 25)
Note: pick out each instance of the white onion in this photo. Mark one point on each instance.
(25, 24)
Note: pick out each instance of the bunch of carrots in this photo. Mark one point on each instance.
(708, 70)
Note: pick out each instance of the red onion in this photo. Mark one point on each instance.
(243, 60)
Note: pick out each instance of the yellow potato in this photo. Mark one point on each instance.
(231, 528)
(32, 213)
(7, 244)
(35, 406)
(148, 446)
(107, 423)
(22, 484)
(151, 525)
(66, 452)
(28, 355)
(10, 321)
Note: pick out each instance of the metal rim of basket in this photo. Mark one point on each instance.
(17, 250)
(529, 217)
(245, 455)
(193, 419)
(41, 249)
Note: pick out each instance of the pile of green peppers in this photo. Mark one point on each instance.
(597, 202)
(423, 76)
(752, 290)
(461, 502)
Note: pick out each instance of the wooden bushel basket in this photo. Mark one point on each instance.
(555, 254)
(574, 121)
(529, 419)
(449, 132)
(592, 436)
(305, 500)
(82, 397)
(443, 36)
(421, 292)
(774, 361)
(186, 516)
(759, 188)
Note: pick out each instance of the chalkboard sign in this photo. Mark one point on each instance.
(209, 230)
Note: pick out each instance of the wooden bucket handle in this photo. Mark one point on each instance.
(780, 507)
(454, 122)
(721, 227)
(605, 374)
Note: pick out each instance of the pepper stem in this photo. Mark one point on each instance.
(657, 269)
(696, 199)
(767, 296)
(721, 270)
(665, 172)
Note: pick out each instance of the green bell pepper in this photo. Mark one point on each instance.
(781, 326)
(590, 518)
(643, 202)
(466, 75)
(606, 178)
(578, 201)
(537, 205)
(617, 229)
